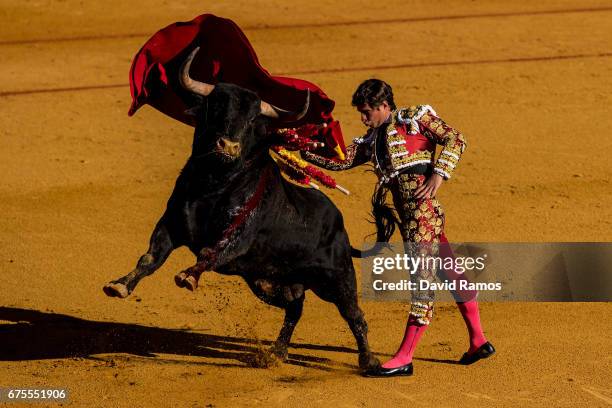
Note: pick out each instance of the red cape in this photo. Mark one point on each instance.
(225, 56)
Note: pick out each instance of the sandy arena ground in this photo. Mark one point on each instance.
(529, 84)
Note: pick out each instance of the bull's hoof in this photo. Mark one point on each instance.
(183, 280)
(116, 289)
(367, 361)
(191, 283)
(279, 352)
(179, 279)
(263, 359)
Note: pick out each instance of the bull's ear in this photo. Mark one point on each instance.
(197, 103)
(194, 110)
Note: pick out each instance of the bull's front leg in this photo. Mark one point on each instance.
(189, 277)
(160, 247)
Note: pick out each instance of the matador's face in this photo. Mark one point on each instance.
(374, 117)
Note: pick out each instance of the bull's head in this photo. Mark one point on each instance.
(229, 115)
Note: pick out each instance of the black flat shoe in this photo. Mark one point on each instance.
(404, 370)
(484, 351)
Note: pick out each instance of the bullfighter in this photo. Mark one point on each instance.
(401, 144)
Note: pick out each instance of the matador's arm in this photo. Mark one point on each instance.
(453, 141)
(356, 154)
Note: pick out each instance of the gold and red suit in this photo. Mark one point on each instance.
(403, 153)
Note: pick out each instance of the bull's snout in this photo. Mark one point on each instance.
(229, 147)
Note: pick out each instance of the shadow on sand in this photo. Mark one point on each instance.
(36, 335)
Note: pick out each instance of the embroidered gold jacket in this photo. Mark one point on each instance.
(408, 140)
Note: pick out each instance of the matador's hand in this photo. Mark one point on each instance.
(430, 187)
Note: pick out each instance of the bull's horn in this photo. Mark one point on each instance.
(278, 113)
(200, 88)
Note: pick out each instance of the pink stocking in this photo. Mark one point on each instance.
(471, 315)
(467, 304)
(414, 331)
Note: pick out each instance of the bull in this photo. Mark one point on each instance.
(233, 209)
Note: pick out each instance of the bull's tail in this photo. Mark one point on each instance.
(375, 250)
(385, 220)
(356, 253)
(384, 216)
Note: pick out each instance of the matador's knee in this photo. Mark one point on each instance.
(422, 311)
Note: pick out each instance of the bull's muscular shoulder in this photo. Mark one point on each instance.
(312, 205)
(309, 197)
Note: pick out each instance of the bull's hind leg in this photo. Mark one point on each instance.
(294, 295)
(289, 297)
(343, 293)
(350, 311)
(160, 247)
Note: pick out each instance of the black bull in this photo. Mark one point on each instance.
(239, 216)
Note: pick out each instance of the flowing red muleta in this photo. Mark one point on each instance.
(225, 55)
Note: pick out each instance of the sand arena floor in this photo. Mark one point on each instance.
(82, 186)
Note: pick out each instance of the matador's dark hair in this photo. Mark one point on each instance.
(373, 92)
